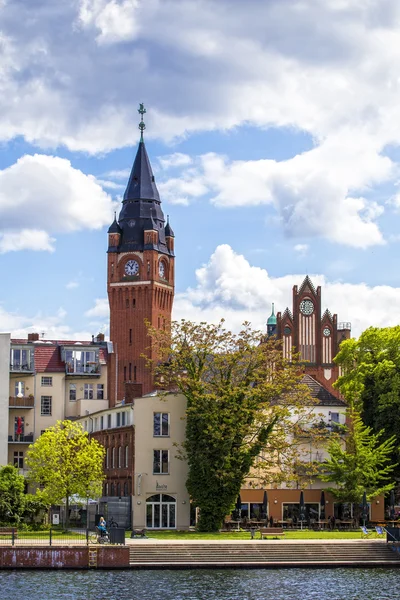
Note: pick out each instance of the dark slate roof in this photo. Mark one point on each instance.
(318, 392)
(168, 229)
(114, 227)
(141, 184)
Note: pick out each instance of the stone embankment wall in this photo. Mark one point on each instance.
(64, 558)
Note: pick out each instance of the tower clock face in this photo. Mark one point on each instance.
(132, 267)
(327, 332)
(306, 307)
(161, 269)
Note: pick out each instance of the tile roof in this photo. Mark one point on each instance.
(47, 355)
(317, 391)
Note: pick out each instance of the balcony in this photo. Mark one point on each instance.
(21, 401)
(90, 369)
(20, 439)
(19, 367)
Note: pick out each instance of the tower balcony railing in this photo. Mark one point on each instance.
(21, 401)
(344, 325)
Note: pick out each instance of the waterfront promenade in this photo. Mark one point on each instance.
(194, 554)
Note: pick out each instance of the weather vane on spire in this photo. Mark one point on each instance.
(142, 126)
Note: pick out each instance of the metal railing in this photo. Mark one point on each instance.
(21, 402)
(12, 536)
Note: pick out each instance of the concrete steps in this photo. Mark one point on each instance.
(262, 554)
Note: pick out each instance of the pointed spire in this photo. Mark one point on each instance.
(168, 229)
(141, 184)
(272, 319)
(114, 227)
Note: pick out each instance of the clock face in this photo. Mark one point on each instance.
(132, 267)
(161, 269)
(327, 332)
(131, 223)
(287, 330)
(306, 307)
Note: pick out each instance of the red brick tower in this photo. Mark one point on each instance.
(316, 336)
(140, 279)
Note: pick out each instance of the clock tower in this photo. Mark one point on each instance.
(140, 279)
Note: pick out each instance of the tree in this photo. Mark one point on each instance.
(243, 399)
(65, 462)
(361, 462)
(12, 486)
(371, 381)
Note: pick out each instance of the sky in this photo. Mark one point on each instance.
(273, 129)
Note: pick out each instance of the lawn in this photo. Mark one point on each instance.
(245, 535)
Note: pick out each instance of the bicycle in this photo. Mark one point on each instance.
(99, 537)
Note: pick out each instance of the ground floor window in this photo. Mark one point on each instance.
(161, 512)
(291, 512)
(344, 511)
(249, 510)
(19, 460)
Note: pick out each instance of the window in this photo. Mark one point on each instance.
(81, 361)
(45, 405)
(112, 490)
(108, 421)
(118, 419)
(130, 371)
(124, 373)
(118, 489)
(101, 422)
(42, 431)
(123, 419)
(106, 489)
(100, 391)
(160, 424)
(335, 417)
(134, 373)
(126, 489)
(112, 458)
(21, 359)
(72, 392)
(19, 460)
(119, 457)
(107, 458)
(126, 457)
(19, 389)
(96, 424)
(47, 381)
(160, 462)
(130, 336)
(88, 391)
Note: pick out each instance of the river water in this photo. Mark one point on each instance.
(235, 584)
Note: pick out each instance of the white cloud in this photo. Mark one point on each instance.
(301, 249)
(54, 326)
(310, 198)
(229, 286)
(114, 19)
(72, 285)
(42, 195)
(100, 308)
(26, 239)
(178, 159)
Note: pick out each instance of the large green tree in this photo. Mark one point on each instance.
(243, 400)
(370, 381)
(64, 461)
(12, 486)
(359, 462)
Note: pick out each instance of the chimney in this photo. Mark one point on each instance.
(33, 337)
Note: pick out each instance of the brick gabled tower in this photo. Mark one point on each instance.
(316, 336)
(140, 279)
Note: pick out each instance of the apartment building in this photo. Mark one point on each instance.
(51, 380)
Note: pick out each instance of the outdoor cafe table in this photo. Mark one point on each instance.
(285, 523)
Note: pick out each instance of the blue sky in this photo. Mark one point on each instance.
(273, 128)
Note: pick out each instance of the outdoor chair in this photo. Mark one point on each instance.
(380, 531)
(364, 532)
